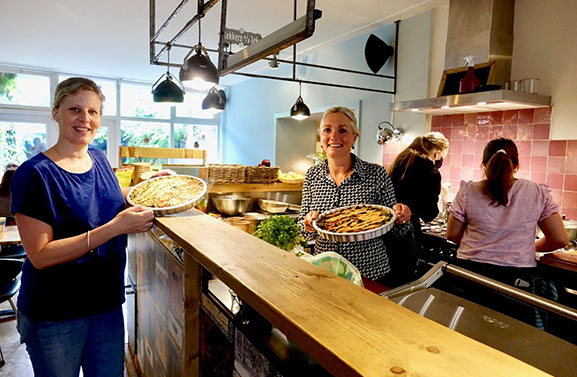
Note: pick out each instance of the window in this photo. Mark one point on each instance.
(136, 121)
(24, 90)
(108, 88)
(100, 141)
(144, 134)
(192, 107)
(193, 136)
(137, 102)
(19, 141)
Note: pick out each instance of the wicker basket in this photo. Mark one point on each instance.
(262, 174)
(223, 173)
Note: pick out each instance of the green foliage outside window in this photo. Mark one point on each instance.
(7, 84)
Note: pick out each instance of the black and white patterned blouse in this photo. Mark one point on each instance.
(368, 184)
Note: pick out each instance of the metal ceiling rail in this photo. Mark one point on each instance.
(284, 37)
(203, 8)
(313, 82)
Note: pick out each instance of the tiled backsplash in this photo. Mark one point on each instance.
(540, 159)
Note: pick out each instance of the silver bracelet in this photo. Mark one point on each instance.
(88, 241)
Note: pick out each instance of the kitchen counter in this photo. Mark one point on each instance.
(345, 328)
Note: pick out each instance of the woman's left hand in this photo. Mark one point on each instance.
(403, 213)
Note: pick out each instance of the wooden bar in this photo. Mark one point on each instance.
(345, 328)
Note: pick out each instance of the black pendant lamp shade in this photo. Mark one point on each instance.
(197, 71)
(168, 90)
(377, 52)
(299, 110)
(215, 100)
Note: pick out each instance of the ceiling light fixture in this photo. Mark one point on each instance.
(169, 90)
(384, 135)
(273, 63)
(299, 110)
(215, 101)
(198, 72)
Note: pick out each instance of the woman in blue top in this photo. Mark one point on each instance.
(71, 215)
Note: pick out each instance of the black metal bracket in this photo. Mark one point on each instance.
(289, 35)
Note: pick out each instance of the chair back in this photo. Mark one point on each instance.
(12, 251)
(9, 277)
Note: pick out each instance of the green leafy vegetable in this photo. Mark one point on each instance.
(280, 231)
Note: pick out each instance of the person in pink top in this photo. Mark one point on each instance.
(494, 221)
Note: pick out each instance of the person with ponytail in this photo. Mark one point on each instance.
(494, 221)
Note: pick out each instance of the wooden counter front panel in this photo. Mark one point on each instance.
(160, 310)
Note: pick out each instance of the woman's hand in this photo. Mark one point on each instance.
(135, 219)
(403, 213)
(309, 218)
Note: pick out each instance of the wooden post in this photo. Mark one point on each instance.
(192, 296)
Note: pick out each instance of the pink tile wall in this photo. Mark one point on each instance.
(540, 159)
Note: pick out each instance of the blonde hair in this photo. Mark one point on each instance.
(438, 139)
(347, 112)
(422, 146)
(72, 86)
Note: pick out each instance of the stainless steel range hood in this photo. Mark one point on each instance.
(483, 28)
(495, 100)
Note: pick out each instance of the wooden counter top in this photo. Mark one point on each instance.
(10, 235)
(347, 329)
(566, 261)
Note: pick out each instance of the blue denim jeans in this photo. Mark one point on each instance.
(59, 349)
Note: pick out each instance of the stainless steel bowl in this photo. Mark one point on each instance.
(231, 204)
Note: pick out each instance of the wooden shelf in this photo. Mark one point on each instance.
(222, 188)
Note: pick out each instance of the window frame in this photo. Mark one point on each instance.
(40, 114)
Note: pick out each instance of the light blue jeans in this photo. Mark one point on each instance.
(59, 349)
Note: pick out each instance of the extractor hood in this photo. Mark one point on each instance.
(484, 29)
(495, 100)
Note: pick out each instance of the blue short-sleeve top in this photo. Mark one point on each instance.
(71, 204)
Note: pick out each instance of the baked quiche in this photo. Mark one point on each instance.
(354, 219)
(167, 191)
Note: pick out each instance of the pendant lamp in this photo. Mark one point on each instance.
(215, 101)
(197, 71)
(169, 90)
(299, 110)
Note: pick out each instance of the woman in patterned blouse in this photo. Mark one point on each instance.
(343, 180)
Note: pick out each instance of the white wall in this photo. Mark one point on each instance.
(413, 71)
(545, 46)
(249, 129)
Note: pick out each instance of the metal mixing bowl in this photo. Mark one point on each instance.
(231, 204)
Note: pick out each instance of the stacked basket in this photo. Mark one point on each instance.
(261, 174)
(226, 173)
